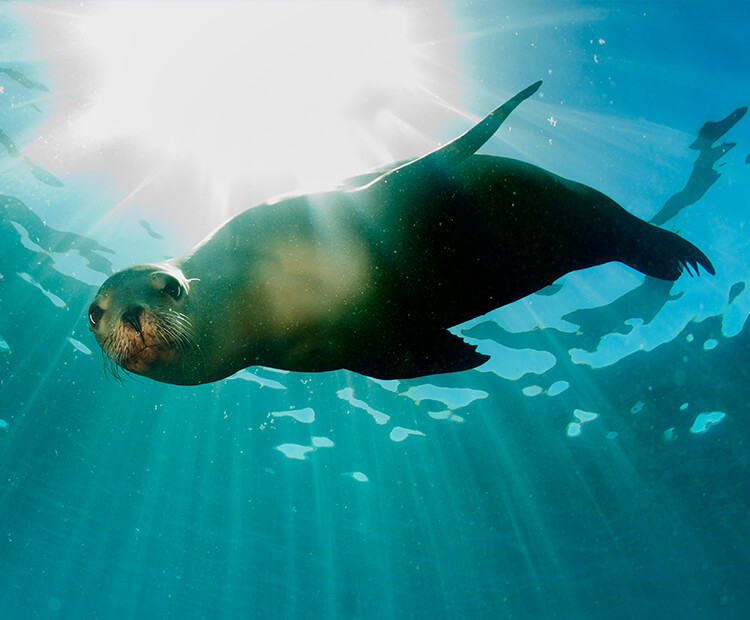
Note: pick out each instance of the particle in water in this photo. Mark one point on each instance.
(575, 428)
(357, 475)
(294, 451)
(585, 416)
(306, 415)
(704, 421)
(532, 390)
(79, 346)
(558, 387)
(399, 433)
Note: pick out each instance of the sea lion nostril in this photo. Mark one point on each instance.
(132, 316)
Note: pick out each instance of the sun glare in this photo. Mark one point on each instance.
(299, 86)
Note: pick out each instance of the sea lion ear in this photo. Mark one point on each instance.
(456, 151)
(188, 282)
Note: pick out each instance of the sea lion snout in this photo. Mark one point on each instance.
(132, 316)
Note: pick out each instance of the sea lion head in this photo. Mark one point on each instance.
(139, 319)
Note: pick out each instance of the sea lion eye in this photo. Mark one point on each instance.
(173, 288)
(95, 313)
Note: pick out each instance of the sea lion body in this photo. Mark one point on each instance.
(370, 278)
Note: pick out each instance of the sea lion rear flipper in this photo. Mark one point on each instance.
(664, 254)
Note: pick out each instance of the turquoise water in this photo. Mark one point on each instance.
(595, 467)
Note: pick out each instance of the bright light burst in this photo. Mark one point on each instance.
(306, 87)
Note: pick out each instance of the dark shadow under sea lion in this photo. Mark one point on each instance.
(370, 278)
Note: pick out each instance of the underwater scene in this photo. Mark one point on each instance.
(577, 449)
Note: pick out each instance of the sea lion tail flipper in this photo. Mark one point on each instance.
(468, 143)
(665, 255)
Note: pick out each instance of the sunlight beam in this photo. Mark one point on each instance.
(261, 85)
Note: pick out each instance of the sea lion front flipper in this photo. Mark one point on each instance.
(423, 354)
(468, 143)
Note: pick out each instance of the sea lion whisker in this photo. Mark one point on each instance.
(192, 341)
(177, 327)
(188, 334)
(176, 330)
(112, 368)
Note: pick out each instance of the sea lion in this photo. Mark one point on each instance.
(369, 277)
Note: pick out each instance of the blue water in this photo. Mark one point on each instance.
(595, 467)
